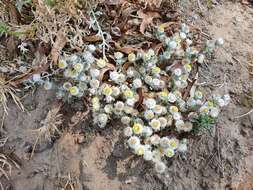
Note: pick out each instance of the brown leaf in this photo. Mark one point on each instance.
(109, 67)
(93, 38)
(114, 2)
(141, 97)
(147, 19)
(15, 16)
(58, 45)
(12, 44)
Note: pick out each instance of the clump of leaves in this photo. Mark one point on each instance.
(203, 122)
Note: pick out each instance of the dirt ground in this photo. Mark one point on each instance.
(219, 160)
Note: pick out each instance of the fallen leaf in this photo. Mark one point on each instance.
(109, 67)
(58, 45)
(114, 2)
(93, 38)
(147, 19)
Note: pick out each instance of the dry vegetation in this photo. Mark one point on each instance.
(35, 34)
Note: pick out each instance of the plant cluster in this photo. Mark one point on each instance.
(146, 90)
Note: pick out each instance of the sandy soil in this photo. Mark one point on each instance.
(99, 161)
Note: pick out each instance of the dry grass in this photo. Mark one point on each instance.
(5, 162)
(6, 90)
(50, 127)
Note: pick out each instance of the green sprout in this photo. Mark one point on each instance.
(203, 122)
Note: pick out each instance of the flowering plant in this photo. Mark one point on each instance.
(147, 91)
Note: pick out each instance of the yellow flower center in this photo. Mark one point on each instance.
(170, 153)
(131, 57)
(155, 124)
(101, 63)
(128, 93)
(62, 64)
(188, 67)
(78, 67)
(73, 90)
(140, 151)
(107, 91)
(156, 70)
(173, 144)
(137, 128)
(174, 109)
(210, 104)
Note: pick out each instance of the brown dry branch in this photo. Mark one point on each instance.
(50, 126)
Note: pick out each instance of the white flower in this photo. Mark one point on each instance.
(160, 167)
(118, 55)
(133, 142)
(148, 155)
(165, 142)
(155, 139)
(198, 95)
(119, 106)
(172, 98)
(178, 72)
(128, 132)
(48, 85)
(148, 79)
(121, 78)
(101, 63)
(94, 83)
(163, 122)
(115, 91)
(179, 124)
(149, 114)
(214, 112)
(36, 77)
(62, 64)
(114, 75)
(169, 152)
(187, 126)
(131, 57)
(173, 109)
(88, 57)
(109, 99)
(189, 42)
(137, 83)
(94, 73)
(78, 67)
(182, 147)
(126, 120)
(172, 44)
(91, 48)
(150, 103)
(226, 99)
(176, 116)
(183, 35)
(155, 124)
(156, 82)
(108, 108)
(74, 90)
(102, 118)
(158, 109)
(130, 101)
(130, 72)
(147, 131)
(220, 41)
(201, 58)
(139, 150)
(221, 102)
